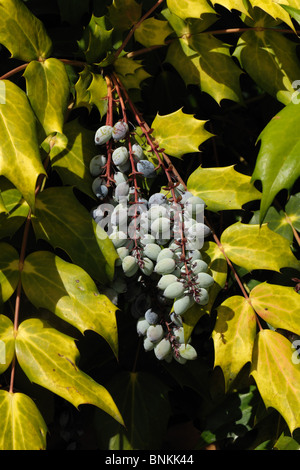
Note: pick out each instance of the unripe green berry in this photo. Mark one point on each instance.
(165, 266)
(162, 349)
(103, 134)
(174, 290)
(120, 156)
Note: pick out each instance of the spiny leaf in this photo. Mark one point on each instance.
(179, 133)
(98, 93)
(292, 210)
(257, 247)
(20, 159)
(152, 32)
(232, 5)
(17, 209)
(222, 188)
(71, 156)
(273, 9)
(22, 425)
(97, 39)
(7, 342)
(277, 376)
(131, 72)
(189, 8)
(63, 222)
(22, 33)
(49, 358)
(82, 96)
(233, 336)
(124, 13)
(271, 61)
(48, 91)
(9, 271)
(277, 305)
(278, 164)
(276, 221)
(68, 291)
(205, 61)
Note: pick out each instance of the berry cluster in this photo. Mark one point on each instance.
(158, 237)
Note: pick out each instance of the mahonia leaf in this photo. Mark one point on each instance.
(238, 5)
(97, 39)
(292, 210)
(278, 164)
(9, 271)
(222, 188)
(257, 247)
(71, 159)
(22, 425)
(217, 268)
(22, 33)
(48, 91)
(7, 343)
(277, 221)
(179, 133)
(205, 61)
(233, 335)
(277, 376)
(63, 222)
(98, 93)
(273, 9)
(68, 291)
(20, 159)
(278, 305)
(16, 207)
(49, 358)
(152, 32)
(2, 204)
(189, 8)
(124, 13)
(82, 96)
(131, 72)
(271, 61)
(293, 12)
(130, 390)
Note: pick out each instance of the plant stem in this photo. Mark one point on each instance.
(213, 32)
(130, 34)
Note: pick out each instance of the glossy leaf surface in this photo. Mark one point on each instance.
(49, 358)
(66, 290)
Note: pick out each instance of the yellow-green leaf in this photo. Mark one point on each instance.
(50, 359)
(152, 32)
(124, 13)
(48, 91)
(189, 8)
(233, 336)
(71, 159)
(22, 425)
(274, 9)
(98, 93)
(222, 188)
(277, 305)
(69, 292)
(20, 159)
(277, 375)
(22, 33)
(179, 133)
(64, 223)
(7, 342)
(257, 247)
(232, 5)
(9, 271)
